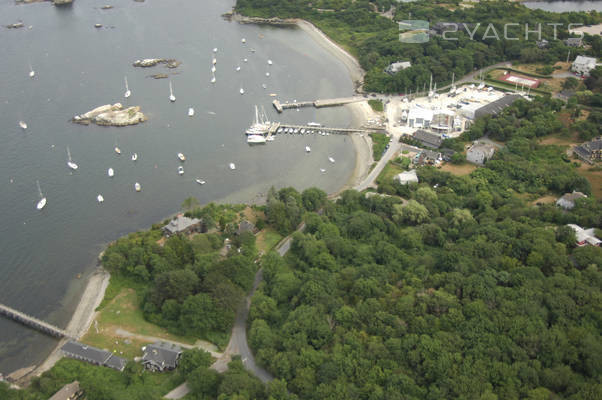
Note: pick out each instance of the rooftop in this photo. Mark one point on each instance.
(497, 106)
(180, 223)
(66, 392)
(93, 355)
(428, 138)
(162, 354)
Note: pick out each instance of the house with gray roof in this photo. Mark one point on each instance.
(181, 224)
(573, 42)
(246, 226)
(428, 139)
(567, 201)
(495, 107)
(161, 356)
(590, 151)
(93, 355)
(479, 153)
(70, 391)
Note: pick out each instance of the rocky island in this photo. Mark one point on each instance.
(151, 62)
(111, 115)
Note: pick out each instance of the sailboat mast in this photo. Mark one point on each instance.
(68, 153)
(39, 189)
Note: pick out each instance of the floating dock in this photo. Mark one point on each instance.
(280, 107)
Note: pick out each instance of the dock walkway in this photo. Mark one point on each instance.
(32, 322)
(280, 107)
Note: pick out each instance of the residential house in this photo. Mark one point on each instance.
(182, 225)
(246, 226)
(567, 201)
(93, 355)
(397, 66)
(407, 177)
(428, 139)
(70, 391)
(585, 236)
(583, 65)
(161, 356)
(427, 157)
(480, 152)
(590, 151)
(573, 42)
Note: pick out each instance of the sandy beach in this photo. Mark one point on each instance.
(80, 322)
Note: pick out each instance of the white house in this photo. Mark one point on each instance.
(397, 66)
(479, 153)
(585, 236)
(406, 177)
(583, 65)
(567, 201)
(419, 117)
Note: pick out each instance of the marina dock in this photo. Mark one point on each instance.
(280, 107)
(32, 322)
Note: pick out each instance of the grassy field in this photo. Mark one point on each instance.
(379, 141)
(120, 309)
(267, 239)
(377, 105)
(594, 178)
(461, 169)
(388, 172)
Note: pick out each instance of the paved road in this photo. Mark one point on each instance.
(368, 181)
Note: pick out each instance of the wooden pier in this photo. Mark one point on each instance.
(280, 107)
(32, 322)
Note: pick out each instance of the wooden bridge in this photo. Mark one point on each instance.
(280, 107)
(32, 322)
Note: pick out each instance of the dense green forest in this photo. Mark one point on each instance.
(374, 39)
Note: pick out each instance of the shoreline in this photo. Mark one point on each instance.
(81, 320)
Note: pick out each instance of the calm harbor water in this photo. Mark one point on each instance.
(565, 6)
(79, 67)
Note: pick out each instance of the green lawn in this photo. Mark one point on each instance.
(379, 141)
(388, 172)
(377, 105)
(267, 239)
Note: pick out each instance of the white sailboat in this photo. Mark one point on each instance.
(232, 166)
(331, 159)
(182, 157)
(267, 74)
(172, 98)
(99, 198)
(180, 170)
(134, 156)
(270, 62)
(322, 170)
(70, 162)
(256, 139)
(213, 78)
(23, 125)
(307, 149)
(243, 40)
(215, 49)
(199, 181)
(214, 61)
(42, 203)
(237, 69)
(213, 69)
(110, 172)
(32, 73)
(242, 91)
(128, 92)
(190, 112)
(117, 150)
(137, 187)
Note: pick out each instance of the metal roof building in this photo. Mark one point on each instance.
(497, 106)
(161, 356)
(93, 355)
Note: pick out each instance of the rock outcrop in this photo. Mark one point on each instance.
(151, 62)
(112, 115)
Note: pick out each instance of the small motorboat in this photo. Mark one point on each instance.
(245, 60)
(232, 166)
(117, 150)
(134, 156)
(270, 62)
(128, 92)
(42, 203)
(70, 162)
(256, 139)
(263, 85)
(190, 112)
(32, 73)
(213, 69)
(214, 61)
(172, 98)
(111, 172)
(137, 187)
(99, 198)
(182, 157)
(242, 91)
(199, 181)
(180, 170)
(267, 74)
(213, 79)
(273, 95)
(322, 170)
(23, 125)
(331, 159)
(215, 49)
(303, 130)
(237, 69)
(243, 40)
(307, 149)
(252, 50)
